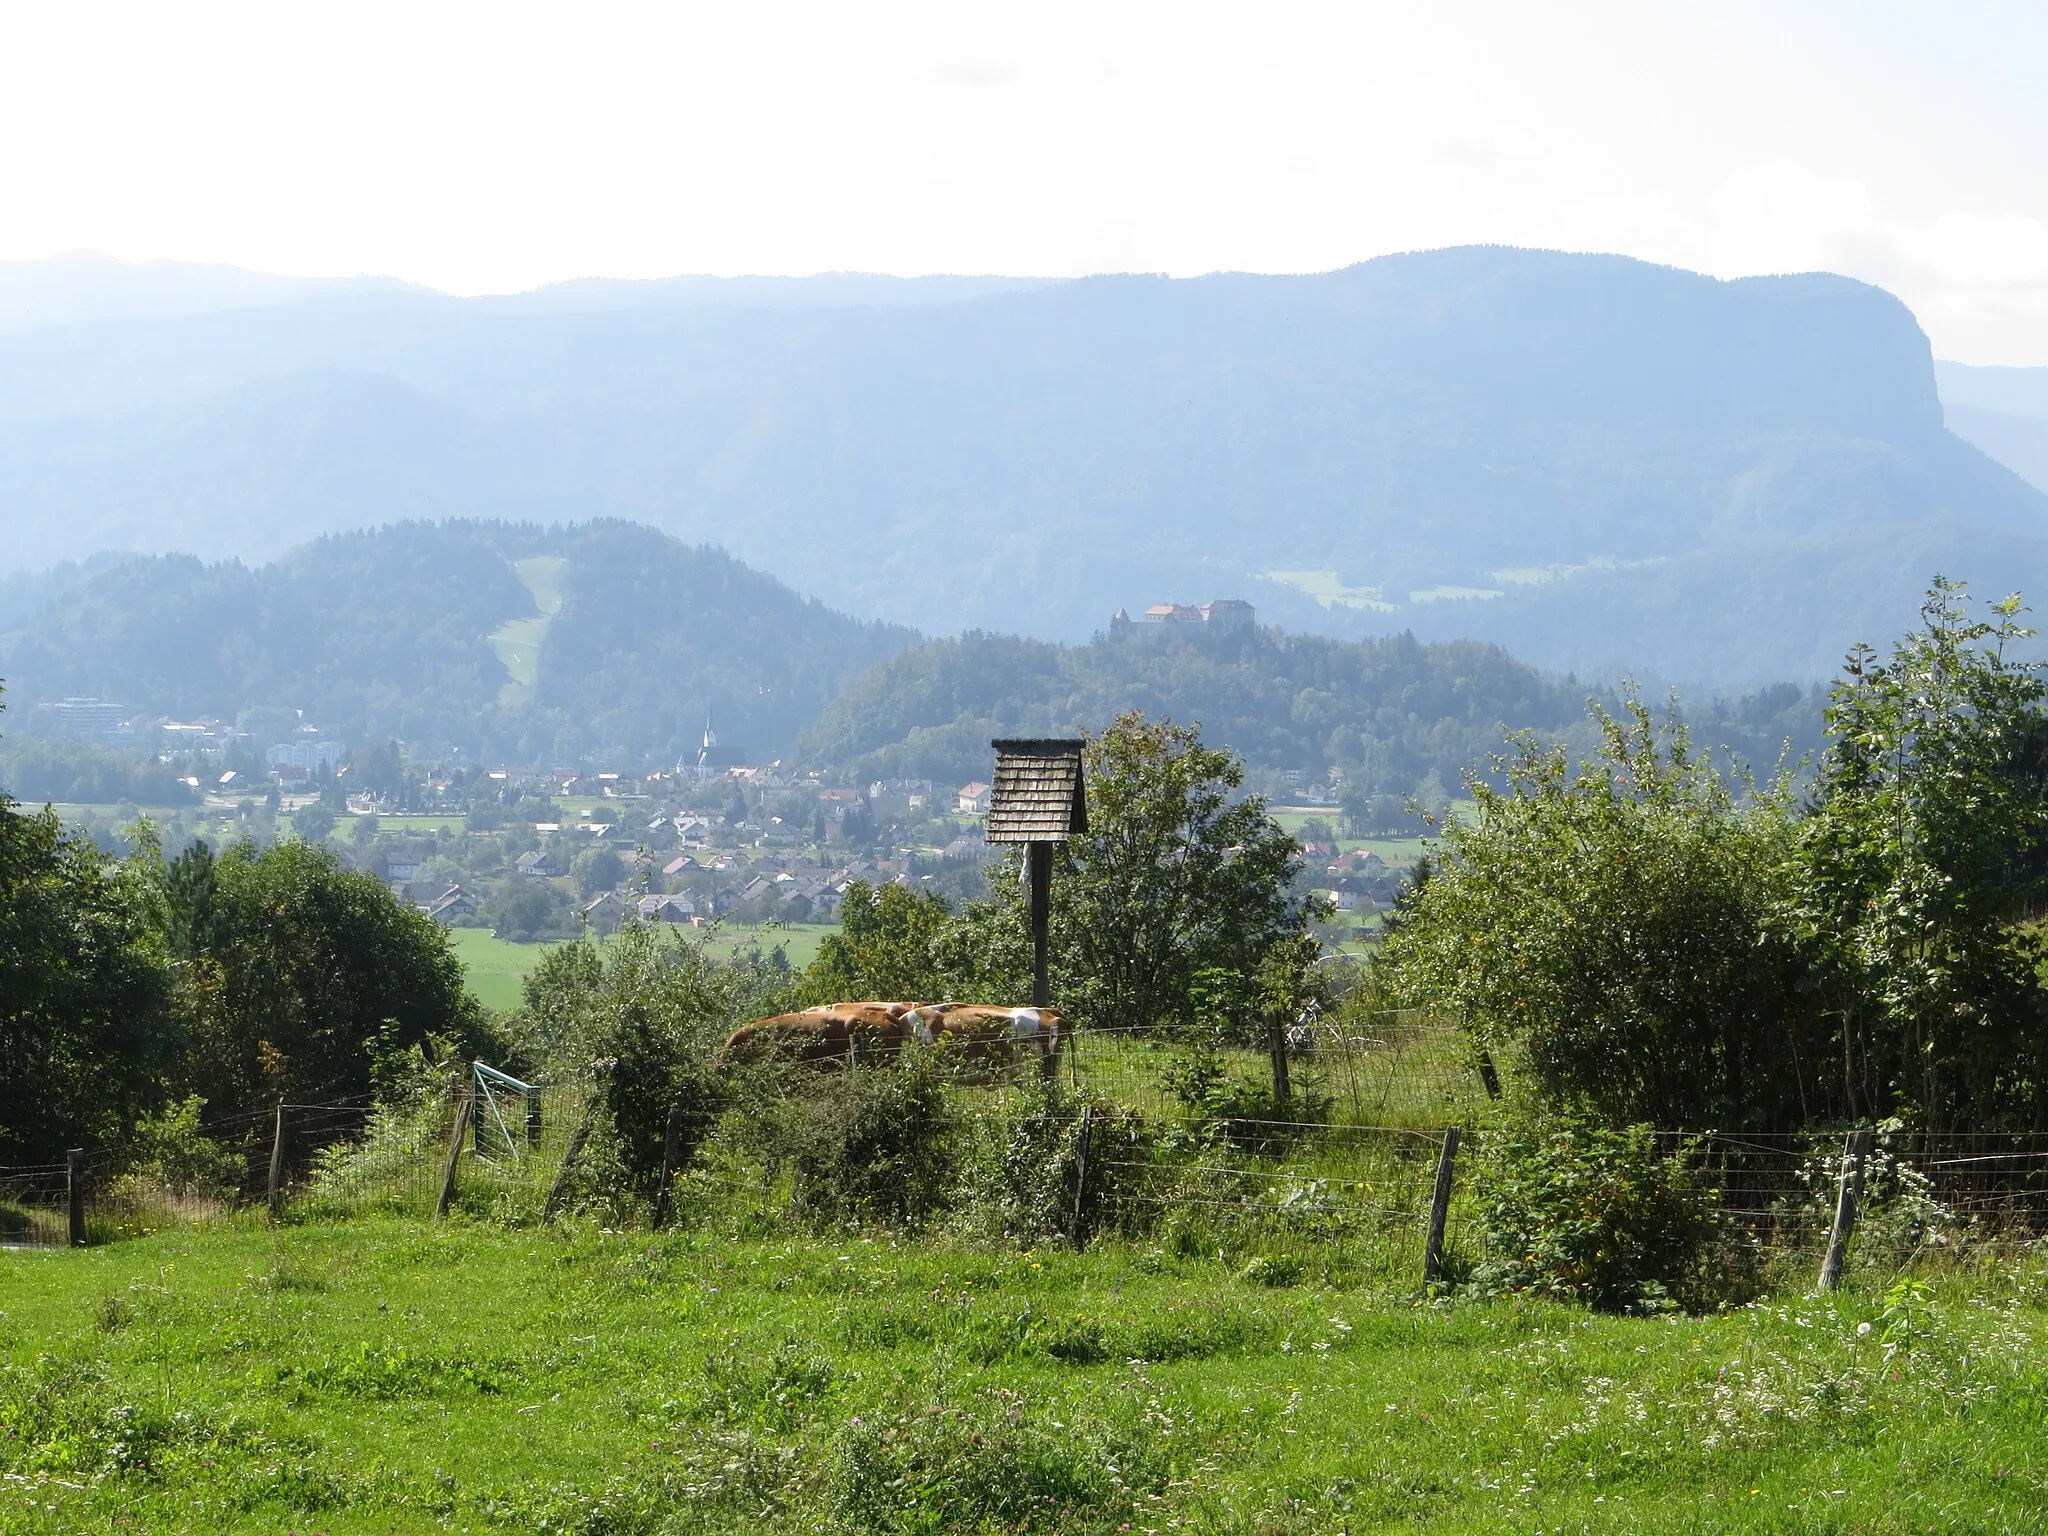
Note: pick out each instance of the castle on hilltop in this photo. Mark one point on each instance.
(1225, 614)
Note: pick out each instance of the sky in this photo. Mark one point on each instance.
(494, 148)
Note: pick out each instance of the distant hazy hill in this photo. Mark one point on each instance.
(1603, 464)
(536, 644)
(1390, 712)
(2004, 411)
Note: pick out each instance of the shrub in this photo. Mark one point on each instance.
(879, 1145)
(1019, 1172)
(1244, 1114)
(173, 1154)
(993, 1467)
(1272, 1270)
(1898, 1214)
(1572, 1209)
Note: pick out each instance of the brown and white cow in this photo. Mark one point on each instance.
(986, 1039)
(830, 1035)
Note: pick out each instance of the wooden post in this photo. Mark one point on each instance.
(1039, 857)
(476, 1112)
(74, 1189)
(1489, 1074)
(582, 1134)
(462, 1117)
(276, 1191)
(671, 1134)
(1081, 1139)
(533, 1119)
(1276, 1046)
(1855, 1151)
(1440, 1208)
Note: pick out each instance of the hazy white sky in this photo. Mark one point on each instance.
(498, 146)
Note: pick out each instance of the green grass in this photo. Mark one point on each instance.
(1328, 588)
(518, 641)
(387, 1377)
(1403, 849)
(799, 941)
(495, 967)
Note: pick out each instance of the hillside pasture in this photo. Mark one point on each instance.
(381, 1376)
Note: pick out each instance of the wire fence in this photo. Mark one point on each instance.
(1396, 1068)
(1337, 1132)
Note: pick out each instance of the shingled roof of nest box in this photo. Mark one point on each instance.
(1038, 794)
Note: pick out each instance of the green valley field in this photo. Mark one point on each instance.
(388, 1377)
(494, 967)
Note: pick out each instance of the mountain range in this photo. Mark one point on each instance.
(614, 645)
(1606, 466)
(466, 639)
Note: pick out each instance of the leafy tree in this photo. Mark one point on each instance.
(890, 945)
(645, 1016)
(190, 884)
(314, 823)
(86, 1027)
(526, 910)
(1929, 840)
(307, 972)
(1368, 814)
(1622, 920)
(1576, 1210)
(597, 868)
(380, 769)
(82, 773)
(1178, 875)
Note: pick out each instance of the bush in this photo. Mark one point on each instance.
(1574, 1210)
(879, 1145)
(1244, 1114)
(1019, 1178)
(992, 1466)
(174, 1155)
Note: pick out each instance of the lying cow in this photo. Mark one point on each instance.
(985, 1039)
(832, 1035)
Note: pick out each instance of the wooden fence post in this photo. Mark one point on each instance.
(1276, 1042)
(1489, 1074)
(1855, 1151)
(467, 1108)
(1082, 1136)
(1440, 1207)
(74, 1189)
(533, 1119)
(671, 1133)
(276, 1191)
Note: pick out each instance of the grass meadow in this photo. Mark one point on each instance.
(389, 1376)
(495, 968)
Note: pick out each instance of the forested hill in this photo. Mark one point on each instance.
(1600, 464)
(1389, 712)
(519, 642)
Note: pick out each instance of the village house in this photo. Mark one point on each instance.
(973, 799)
(603, 913)
(454, 907)
(667, 909)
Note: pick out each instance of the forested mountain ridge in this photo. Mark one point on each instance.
(399, 633)
(1603, 465)
(1389, 713)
